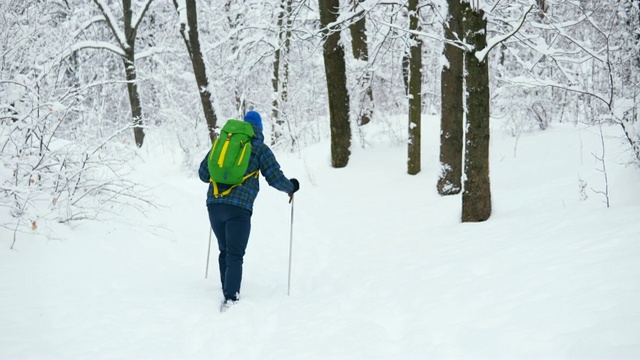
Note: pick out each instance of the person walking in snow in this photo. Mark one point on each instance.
(230, 215)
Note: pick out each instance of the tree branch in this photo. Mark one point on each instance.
(94, 45)
(87, 24)
(137, 20)
(482, 54)
(110, 19)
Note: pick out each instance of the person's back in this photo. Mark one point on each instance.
(261, 159)
(230, 215)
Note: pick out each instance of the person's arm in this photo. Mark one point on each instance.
(270, 169)
(203, 171)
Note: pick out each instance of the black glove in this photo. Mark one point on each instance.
(296, 187)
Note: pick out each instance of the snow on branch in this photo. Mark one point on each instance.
(181, 9)
(137, 18)
(51, 179)
(111, 21)
(422, 34)
(94, 45)
(482, 54)
(155, 50)
(561, 30)
(87, 24)
(574, 87)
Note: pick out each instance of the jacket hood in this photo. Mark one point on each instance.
(258, 137)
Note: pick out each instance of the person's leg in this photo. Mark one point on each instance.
(232, 226)
(238, 228)
(216, 218)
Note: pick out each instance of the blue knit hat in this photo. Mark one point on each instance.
(254, 118)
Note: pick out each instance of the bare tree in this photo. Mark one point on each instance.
(452, 103)
(126, 41)
(50, 175)
(632, 10)
(602, 37)
(631, 118)
(280, 81)
(192, 42)
(406, 64)
(415, 91)
(335, 71)
(235, 22)
(476, 197)
(360, 50)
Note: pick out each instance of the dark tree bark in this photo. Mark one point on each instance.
(476, 197)
(406, 64)
(542, 6)
(287, 48)
(415, 92)
(233, 24)
(130, 31)
(335, 70)
(13, 114)
(632, 10)
(275, 82)
(280, 82)
(452, 117)
(134, 98)
(358, 32)
(633, 25)
(128, 47)
(361, 52)
(192, 42)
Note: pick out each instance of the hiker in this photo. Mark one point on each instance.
(230, 214)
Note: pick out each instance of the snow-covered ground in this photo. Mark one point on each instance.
(382, 266)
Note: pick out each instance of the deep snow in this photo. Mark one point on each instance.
(382, 265)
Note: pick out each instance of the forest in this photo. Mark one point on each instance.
(84, 84)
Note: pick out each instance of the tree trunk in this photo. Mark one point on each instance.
(287, 48)
(635, 6)
(134, 99)
(361, 52)
(406, 64)
(234, 23)
(130, 72)
(542, 6)
(415, 92)
(476, 197)
(275, 83)
(630, 118)
(452, 102)
(199, 69)
(280, 83)
(335, 70)
(128, 47)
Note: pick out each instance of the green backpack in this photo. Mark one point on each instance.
(229, 156)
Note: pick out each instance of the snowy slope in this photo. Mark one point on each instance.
(382, 266)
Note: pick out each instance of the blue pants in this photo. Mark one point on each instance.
(231, 225)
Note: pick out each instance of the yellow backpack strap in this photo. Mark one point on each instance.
(255, 173)
(223, 153)
(216, 192)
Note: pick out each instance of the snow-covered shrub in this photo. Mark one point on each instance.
(44, 177)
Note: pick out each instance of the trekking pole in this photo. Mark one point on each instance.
(206, 272)
(290, 247)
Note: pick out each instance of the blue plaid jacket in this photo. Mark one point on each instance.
(262, 159)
